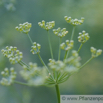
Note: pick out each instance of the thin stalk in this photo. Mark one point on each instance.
(30, 39)
(65, 55)
(42, 61)
(24, 64)
(38, 54)
(21, 83)
(72, 32)
(50, 45)
(57, 92)
(60, 40)
(86, 62)
(20, 63)
(71, 39)
(80, 47)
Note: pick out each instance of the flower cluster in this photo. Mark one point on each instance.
(95, 53)
(56, 65)
(60, 32)
(35, 75)
(8, 77)
(13, 54)
(73, 63)
(47, 26)
(62, 70)
(35, 48)
(83, 37)
(68, 45)
(74, 22)
(24, 28)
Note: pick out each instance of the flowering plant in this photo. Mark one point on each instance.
(56, 71)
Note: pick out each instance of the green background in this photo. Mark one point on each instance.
(89, 81)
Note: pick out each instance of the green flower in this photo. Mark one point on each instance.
(12, 54)
(24, 28)
(8, 77)
(83, 37)
(47, 26)
(74, 22)
(68, 45)
(95, 52)
(35, 76)
(60, 32)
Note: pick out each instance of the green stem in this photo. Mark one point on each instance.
(58, 92)
(50, 45)
(80, 47)
(71, 39)
(72, 32)
(30, 39)
(86, 62)
(60, 40)
(65, 55)
(20, 63)
(42, 61)
(21, 83)
(24, 64)
(38, 54)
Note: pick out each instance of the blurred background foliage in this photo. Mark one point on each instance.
(88, 81)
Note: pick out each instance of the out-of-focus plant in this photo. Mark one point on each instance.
(8, 4)
(56, 71)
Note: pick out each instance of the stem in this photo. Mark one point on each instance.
(21, 83)
(20, 63)
(50, 45)
(38, 54)
(42, 61)
(72, 32)
(86, 62)
(30, 39)
(58, 92)
(80, 47)
(60, 40)
(65, 55)
(24, 64)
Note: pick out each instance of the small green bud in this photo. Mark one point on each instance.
(99, 52)
(12, 70)
(3, 73)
